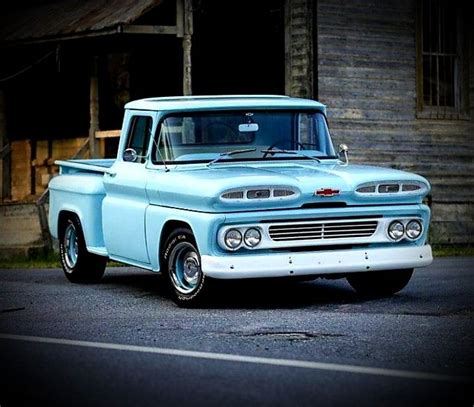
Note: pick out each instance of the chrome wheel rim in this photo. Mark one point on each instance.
(71, 246)
(185, 268)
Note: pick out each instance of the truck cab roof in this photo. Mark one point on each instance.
(186, 103)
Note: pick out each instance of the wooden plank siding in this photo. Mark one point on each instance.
(33, 164)
(366, 64)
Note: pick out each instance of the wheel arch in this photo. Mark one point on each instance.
(168, 227)
(63, 215)
(160, 221)
(79, 265)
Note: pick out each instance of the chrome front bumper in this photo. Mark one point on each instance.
(256, 265)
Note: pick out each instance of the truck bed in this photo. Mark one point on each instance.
(94, 165)
(80, 190)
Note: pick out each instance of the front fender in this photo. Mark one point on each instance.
(203, 225)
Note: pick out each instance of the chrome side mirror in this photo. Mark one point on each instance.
(343, 149)
(130, 155)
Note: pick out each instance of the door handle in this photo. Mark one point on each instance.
(111, 174)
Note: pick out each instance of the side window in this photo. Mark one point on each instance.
(139, 135)
(306, 130)
(310, 134)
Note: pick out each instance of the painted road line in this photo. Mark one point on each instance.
(374, 371)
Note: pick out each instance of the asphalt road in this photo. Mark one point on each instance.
(123, 342)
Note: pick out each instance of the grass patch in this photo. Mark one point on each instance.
(51, 260)
(36, 261)
(39, 261)
(452, 250)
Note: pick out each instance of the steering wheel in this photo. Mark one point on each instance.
(276, 143)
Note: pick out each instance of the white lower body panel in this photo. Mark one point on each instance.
(315, 263)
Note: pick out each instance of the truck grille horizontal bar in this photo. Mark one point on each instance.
(322, 230)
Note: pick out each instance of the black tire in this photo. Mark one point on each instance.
(380, 283)
(78, 264)
(188, 284)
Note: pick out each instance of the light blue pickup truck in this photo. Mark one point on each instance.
(232, 187)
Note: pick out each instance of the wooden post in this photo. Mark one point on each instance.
(180, 18)
(94, 107)
(287, 22)
(299, 48)
(187, 43)
(2, 141)
(5, 181)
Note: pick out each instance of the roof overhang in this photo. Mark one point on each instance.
(74, 19)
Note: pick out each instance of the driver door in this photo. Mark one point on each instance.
(126, 200)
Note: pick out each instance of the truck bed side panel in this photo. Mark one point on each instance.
(81, 193)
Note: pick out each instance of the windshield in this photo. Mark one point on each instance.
(206, 136)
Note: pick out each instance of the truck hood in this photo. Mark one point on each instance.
(201, 187)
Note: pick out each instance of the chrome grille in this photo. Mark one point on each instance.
(319, 230)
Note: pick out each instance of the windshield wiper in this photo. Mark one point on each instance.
(294, 152)
(222, 155)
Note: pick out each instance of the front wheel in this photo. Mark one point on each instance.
(380, 283)
(78, 264)
(182, 266)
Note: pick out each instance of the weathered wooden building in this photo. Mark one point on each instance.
(397, 77)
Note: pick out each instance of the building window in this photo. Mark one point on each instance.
(440, 73)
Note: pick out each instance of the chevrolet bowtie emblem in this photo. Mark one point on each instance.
(326, 192)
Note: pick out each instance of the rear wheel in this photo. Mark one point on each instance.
(78, 264)
(182, 266)
(380, 283)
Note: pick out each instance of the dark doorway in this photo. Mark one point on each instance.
(238, 47)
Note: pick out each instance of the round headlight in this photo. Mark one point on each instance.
(233, 238)
(396, 230)
(252, 237)
(413, 229)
